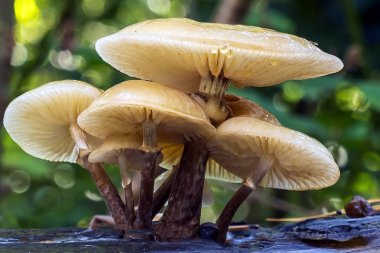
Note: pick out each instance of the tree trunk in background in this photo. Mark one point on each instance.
(232, 11)
(6, 46)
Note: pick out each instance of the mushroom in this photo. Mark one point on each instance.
(146, 109)
(43, 122)
(268, 155)
(123, 150)
(205, 57)
(172, 155)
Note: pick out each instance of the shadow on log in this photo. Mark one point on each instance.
(316, 235)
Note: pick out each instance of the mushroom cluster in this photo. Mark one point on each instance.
(178, 118)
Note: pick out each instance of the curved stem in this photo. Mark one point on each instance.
(229, 211)
(250, 184)
(104, 184)
(108, 192)
(181, 219)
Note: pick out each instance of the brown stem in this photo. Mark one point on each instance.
(129, 204)
(144, 212)
(229, 211)
(182, 216)
(108, 191)
(163, 192)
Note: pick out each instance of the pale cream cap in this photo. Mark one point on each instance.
(300, 162)
(39, 120)
(178, 52)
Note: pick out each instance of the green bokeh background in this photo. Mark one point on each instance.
(54, 40)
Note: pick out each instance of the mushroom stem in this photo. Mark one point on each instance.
(181, 219)
(163, 192)
(108, 192)
(104, 184)
(144, 212)
(150, 154)
(127, 186)
(149, 134)
(79, 136)
(250, 184)
(229, 210)
(214, 87)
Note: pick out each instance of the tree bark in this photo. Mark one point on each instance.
(337, 234)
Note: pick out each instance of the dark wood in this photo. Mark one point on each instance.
(181, 218)
(129, 205)
(108, 191)
(232, 11)
(144, 212)
(163, 192)
(337, 234)
(229, 211)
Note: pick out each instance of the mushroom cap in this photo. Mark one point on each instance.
(300, 162)
(172, 156)
(243, 107)
(109, 151)
(39, 120)
(123, 109)
(247, 55)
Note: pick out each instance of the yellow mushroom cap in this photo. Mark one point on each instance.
(300, 162)
(123, 109)
(39, 120)
(177, 52)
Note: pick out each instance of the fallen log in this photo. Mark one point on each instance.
(332, 234)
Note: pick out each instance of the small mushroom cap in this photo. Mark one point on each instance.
(110, 150)
(177, 52)
(39, 120)
(300, 162)
(243, 107)
(172, 156)
(123, 109)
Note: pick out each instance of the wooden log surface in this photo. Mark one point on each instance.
(337, 234)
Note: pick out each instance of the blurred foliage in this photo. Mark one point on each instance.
(55, 40)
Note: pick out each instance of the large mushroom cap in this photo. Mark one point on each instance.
(123, 109)
(39, 120)
(300, 162)
(180, 51)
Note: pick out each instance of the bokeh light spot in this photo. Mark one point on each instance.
(64, 176)
(160, 7)
(352, 99)
(338, 152)
(292, 92)
(19, 55)
(19, 181)
(93, 8)
(26, 10)
(93, 196)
